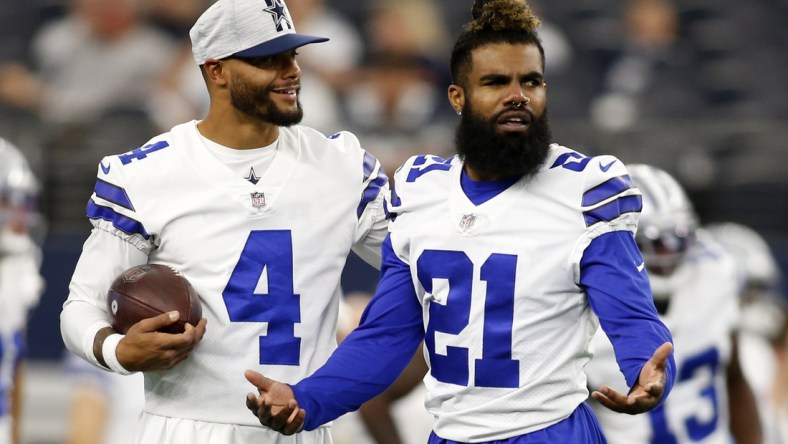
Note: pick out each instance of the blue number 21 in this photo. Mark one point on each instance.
(496, 368)
(267, 254)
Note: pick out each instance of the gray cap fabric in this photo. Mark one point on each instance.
(245, 28)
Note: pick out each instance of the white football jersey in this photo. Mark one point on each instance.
(266, 259)
(702, 315)
(21, 283)
(508, 327)
(21, 286)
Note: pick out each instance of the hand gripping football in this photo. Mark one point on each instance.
(149, 290)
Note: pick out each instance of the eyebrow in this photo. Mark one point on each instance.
(497, 76)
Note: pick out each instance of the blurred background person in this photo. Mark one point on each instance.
(178, 94)
(20, 282)
(326, 71)
(695, 286)
(99, 57)
(93, 71)
(345, 49)
(651, 74)
(103, 407)
(762, 337)
(401, 85)
(397, 96)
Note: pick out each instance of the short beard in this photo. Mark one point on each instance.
(254, 101)
(493, 153)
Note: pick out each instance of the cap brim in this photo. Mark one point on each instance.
(279, 45)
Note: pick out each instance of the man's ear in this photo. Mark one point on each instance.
(456, 97)
(215, 71)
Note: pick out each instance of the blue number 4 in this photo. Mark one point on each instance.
(142, 152)
(496, 368)
(269, 255)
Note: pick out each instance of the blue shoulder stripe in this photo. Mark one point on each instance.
(369, 164)
(438, 164)
(371, 192)
(119, 221)
(614, 209)
(113, 193)
(607, 189)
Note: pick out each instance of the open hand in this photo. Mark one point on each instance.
(647, 391)
(275, 407)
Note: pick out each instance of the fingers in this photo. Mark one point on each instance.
(636, 402)
(201, 328)
(275, 407)
(655, 389)
(157, 322)
(146, 349)
(612, 399)
(661, 355)
(283, 419)
(251, 403)
(277, 415)
(296, 420)
(195, 333)
(258, 380)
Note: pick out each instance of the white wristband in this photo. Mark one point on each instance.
(108, 351)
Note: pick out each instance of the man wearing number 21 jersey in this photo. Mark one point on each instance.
(504, 259)
(257, 212)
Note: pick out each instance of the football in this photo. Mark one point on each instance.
(149, 290)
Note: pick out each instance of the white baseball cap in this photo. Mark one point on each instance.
(245, 28)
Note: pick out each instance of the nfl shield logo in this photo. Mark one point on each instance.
(258, 199)
(467, 221)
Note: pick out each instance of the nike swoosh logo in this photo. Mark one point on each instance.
(604, 168)
(641, 267)
(105, 169)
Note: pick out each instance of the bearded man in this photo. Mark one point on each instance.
(504, 259)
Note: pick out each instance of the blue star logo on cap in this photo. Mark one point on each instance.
(277, 10)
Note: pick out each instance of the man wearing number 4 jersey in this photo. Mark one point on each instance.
(696, 289)
(256, 211)
(505, 260)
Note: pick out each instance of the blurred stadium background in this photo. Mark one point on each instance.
(696, 87)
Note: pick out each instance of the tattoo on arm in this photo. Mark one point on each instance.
(98, 344)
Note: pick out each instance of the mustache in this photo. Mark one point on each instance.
(510, 111)
(296, 85)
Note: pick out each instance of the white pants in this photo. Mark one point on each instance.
(5, 428)
(155, 429)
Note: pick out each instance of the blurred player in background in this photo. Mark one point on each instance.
(258, 212)
(504, 260)
(763, 335)
(103, 407)
(696, 291)
(21, 284)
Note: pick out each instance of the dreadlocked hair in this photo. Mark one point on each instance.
(494, 21)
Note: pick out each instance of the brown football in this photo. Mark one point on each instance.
(149, 290)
